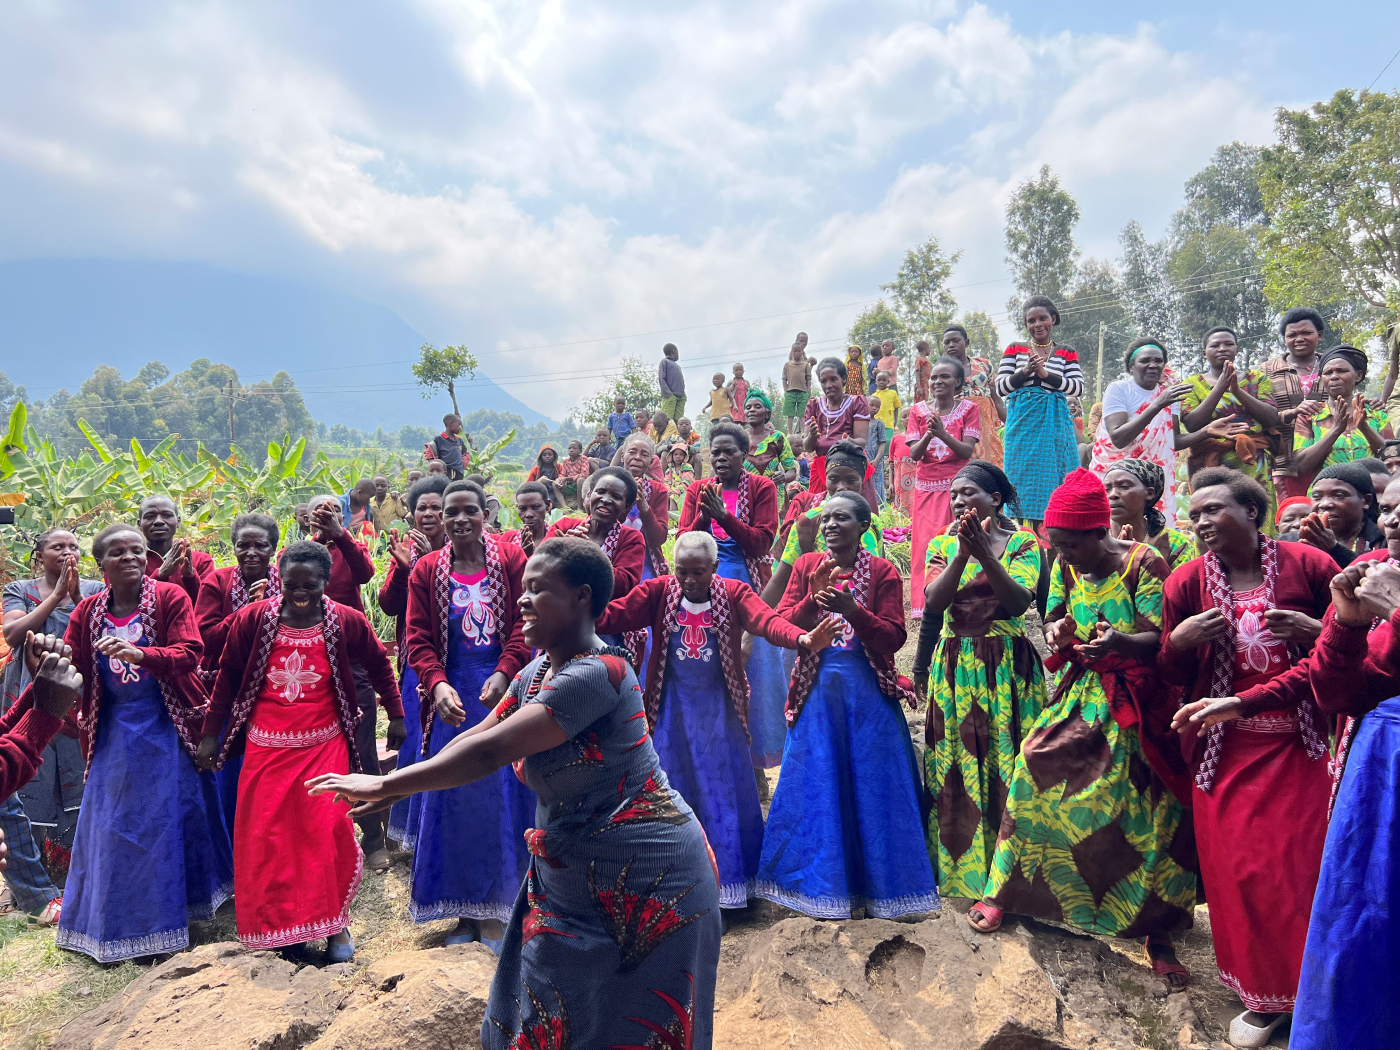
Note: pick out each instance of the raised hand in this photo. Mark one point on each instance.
(1341, 413)
(1348, 609)
(57, 684)
(420, 542)
(836, 600)
(975, 537)
(712, 500)
(1379, 591)
(1172, 395)
(258, 590)
(822, 635)
(1313, 529)
(70, 581)
(1126, 533)
(1103, 641)
(36, 646)
(401, 549)
(1198, 630)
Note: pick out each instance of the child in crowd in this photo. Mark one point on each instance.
(797, 386)
(720, 404)
(621, 422)
(886, 402)
(877, 444)
(737, 389)
(602, 448)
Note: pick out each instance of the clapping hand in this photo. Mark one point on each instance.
(120, 649)
(1349, 610)
(57, 683)
(1379, 591)
(1103, 641)
(974, 537)
(712, 501)
(401, 549)
(258, 590)
(69, 581)
(1172, 395)
(1059, 634)
(325, 521)
(1341, 413)
(1313, 529)
(177, 559)
(822, 635)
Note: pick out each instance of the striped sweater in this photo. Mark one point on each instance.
(1063, 362)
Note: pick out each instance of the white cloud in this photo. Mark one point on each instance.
(581, 171)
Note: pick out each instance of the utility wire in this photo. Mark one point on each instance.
(1383, 69)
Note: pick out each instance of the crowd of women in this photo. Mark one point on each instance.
(1124, 717)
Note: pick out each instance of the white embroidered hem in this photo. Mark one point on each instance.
(127, 948)
(1264, 1004)
(841, 907)
(309, 738)
(737, 894)
(311, 931)
(420, 913)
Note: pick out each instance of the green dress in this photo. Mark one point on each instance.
(780, 464)
(986, 690)
(1255, 383)
(1181, 547)
(1350, 446)
(1090, 835)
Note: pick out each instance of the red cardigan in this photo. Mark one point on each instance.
(646, 605)
(658, 500)
(425, 631)
(243, 669)
(755, 535)
(351, 569)
(202, 563)
(25, 731)
(1304, 585)
(627, 560)
(214, 610)
(1350, 670)
(173, 660)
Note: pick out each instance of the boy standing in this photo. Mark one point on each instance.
(620, 421)
(886, 398)
(738, 391)
(797, 386)
(889, 362)
(450, 448)
(719, 399)
(876, 444)
(672, 382)
(923, 368)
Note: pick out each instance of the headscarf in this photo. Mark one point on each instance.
(990, 478)
(1350, 355)
(1154, 480)
(539, 470)
(758, 395)
(1291, 501)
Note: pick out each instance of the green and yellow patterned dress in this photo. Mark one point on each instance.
(1091, 832)
(1181, 547)
(1257, 443)
(1350, 446)
(986, 690)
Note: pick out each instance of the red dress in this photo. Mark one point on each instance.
(296, 862)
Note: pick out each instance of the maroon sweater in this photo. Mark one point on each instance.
(25, 731)
(173, 660)
(627, 560)
(645, 606)
(754, 534)
(1304, 585)
(243, 670)
(214, 610)
(425, 630)
(202, 564)
(351, 569)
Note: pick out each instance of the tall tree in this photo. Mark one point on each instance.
(1332, 190)
(919, 290)
(1149, 297)
(1095, 297)
(437, 369)
(1040, 221)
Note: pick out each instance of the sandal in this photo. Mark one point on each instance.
(989, 915)
(1245, 1034)
(1167, 968)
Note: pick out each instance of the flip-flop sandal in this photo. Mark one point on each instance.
(1250, 1036)
(1162, 968)
(988, 914)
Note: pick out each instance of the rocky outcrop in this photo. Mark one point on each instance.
(860, 985)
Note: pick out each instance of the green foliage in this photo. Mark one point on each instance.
(437, 369)
(922, 301)
(982, 334)
(875, 324)
(637, 385)
(1040, 221)
(1332, 190)
(1095, 298)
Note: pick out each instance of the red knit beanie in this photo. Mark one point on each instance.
(1079, 504)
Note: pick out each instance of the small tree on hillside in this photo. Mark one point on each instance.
(442, 368)
(920, 288)
(637, 385)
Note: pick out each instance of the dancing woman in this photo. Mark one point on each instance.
(740, 510)
(844, 831)
(1036, 380)
(427, 535)
(1134, 488)
(989, 687)
(1093, 833)
(1237, 617)
(464, 645)
(151, 853)
(285, 698)
(614, 936)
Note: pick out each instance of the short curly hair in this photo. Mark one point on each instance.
(582, 563)
(306, 552)
(1245, 490)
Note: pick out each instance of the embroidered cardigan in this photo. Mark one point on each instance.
(167, 617)
(243, 668)
(202, 563)
(753, 531)
(215, 608)
(652, 603)
(627, 559)
(426, 630)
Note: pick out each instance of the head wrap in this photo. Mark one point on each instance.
(1080, 504)
(1349, 354)
(1291, 501)
(990, 478)
(1154, 480)
(758, 395)
(1359, 478)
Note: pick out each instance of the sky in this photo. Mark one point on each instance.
(558, 184)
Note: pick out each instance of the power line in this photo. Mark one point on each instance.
(1383, 69)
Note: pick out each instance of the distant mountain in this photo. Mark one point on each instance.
(61, 318)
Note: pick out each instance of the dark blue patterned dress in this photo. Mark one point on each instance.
(614, 940)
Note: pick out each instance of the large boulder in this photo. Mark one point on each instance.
(215, 997)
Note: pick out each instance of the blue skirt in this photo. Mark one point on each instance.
(845, 830)
(151, 854)
(701, 744)
(470, 856)
(1351, 962)
(405, 815)
(1040, 446)
(226, 784)
(768, 684)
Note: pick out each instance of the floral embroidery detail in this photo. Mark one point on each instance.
(638, 923)
(308, 738)
(675, 1036)
(695, 621)
(294, 673)
(547, 1032)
